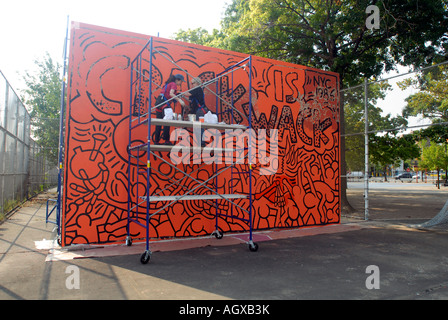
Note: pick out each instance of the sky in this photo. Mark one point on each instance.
(394, 101)
(30, 28)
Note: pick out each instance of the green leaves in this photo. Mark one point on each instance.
(42, 97)
(199, 36)
(332, 35)
(434, 157)
(388, 149)
(432, 99)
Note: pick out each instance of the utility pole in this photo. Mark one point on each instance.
(366, 148)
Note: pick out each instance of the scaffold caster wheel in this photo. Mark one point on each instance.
(219, 234)
(146, 256)
(253, 247)
(128, 241)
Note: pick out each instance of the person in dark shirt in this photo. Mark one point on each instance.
(197, 103)
(196, 96)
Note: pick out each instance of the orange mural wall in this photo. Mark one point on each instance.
(302, 103)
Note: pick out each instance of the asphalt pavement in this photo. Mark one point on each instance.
(382, 258)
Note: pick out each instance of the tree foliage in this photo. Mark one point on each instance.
(355, 121)
(42, 97)
(332, 35)
(435, 133)
(431, 101)
(434, 157)
(200, 36)
(390, 149)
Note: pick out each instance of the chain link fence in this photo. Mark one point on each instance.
(384, 100)
(24, 171)
(404, 142)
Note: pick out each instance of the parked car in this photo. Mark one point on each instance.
(355, 175)
(404, 176)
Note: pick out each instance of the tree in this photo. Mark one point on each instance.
(389, 149)
(333, 35)
(42, 97)
(434, 157)
(435, 135)
(431, 101)
(199, 36)
(355, 121)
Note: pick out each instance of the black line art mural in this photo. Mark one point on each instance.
(301, 103)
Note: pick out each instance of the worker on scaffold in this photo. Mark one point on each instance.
(197, 102)
(163, 106)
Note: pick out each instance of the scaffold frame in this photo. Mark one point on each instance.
(139, 118)
(57, 206)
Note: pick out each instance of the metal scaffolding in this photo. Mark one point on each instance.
(57, 203)
(138, 208)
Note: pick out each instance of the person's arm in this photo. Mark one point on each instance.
(187, 94)
(173, 95)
